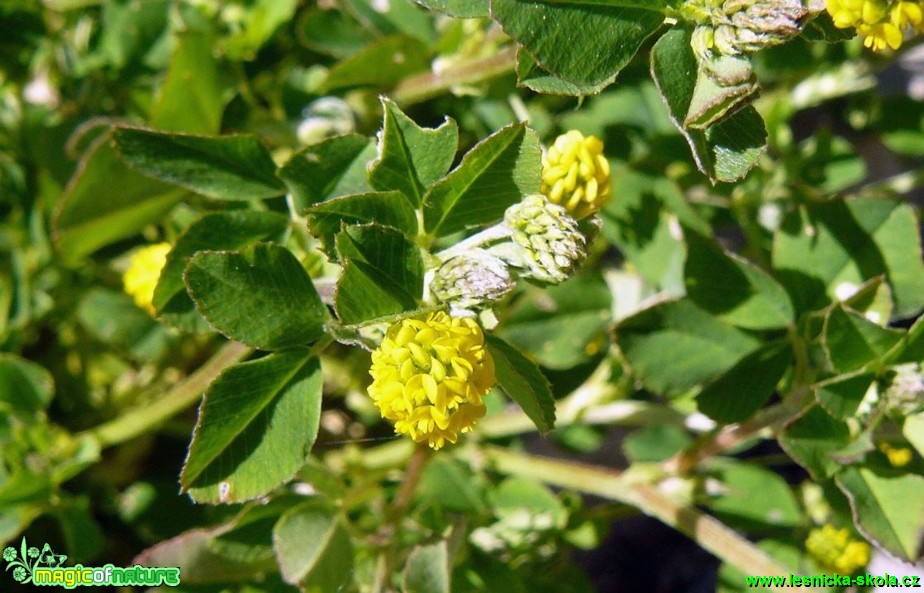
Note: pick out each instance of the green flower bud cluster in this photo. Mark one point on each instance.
(549, 246)
(469, 280)
(735, 27)
(537, 240)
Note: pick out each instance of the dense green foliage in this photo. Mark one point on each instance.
(754, 284)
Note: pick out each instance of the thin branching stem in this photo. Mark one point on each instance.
(705, 530)
(140, 420)
(395, 514)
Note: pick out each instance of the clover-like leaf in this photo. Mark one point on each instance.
(312, 546)
(732, 288)
(411, 158)
(675, 346)
(106, 201)
(493, 175)
(331, 168)
(214, 231)
(382, 274)
(260, 296)
(724, 150)
(522, 380)
(583, 43)
(220, 167)
(256, 426)
(386, 208)
(887, 507)
(826, 249)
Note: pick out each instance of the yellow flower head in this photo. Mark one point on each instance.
(429, 377)
(898, 456)
(140, 279)
(575, 174)
(835, 551)
(882, 22)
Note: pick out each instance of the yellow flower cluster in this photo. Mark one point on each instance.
(898, 456)
(575, 174)
(882, 22)
(429, 377)
(143, 272)
(835, 551)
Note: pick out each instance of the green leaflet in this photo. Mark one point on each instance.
(261, 296)
(220, 167)
(256, 425)
(493, 175)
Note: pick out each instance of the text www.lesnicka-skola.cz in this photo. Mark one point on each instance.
(833, 580)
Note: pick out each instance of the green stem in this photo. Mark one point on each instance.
(298, 225)
(395, 514)
(620, 413)
(729, 438)
(140, 420)
(425, 86)
(803, 376)
(402, 501)
(901, 183)
(494, 234)
(711, 534)
(597, 401)
(390, 455)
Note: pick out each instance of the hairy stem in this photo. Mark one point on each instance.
(402, 501)
(395, 513)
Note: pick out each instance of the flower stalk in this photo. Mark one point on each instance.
(706, 531)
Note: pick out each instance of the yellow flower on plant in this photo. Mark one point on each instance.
(898, 456)
(143, 272)
(880, 36)
(908, 15)
(576, 174)
(882, 22)
(429, 377)
(835, 551)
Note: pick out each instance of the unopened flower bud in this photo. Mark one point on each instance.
(759, 25)
(471, 280)
(897, 456)
(547, 243)
(905, 389)
(735, 27)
